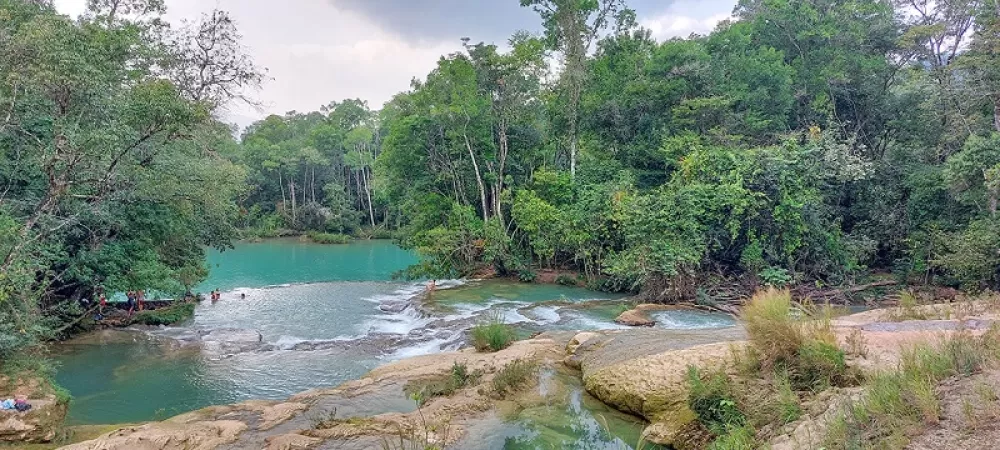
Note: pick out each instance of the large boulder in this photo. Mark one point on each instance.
(655, 387)
(635, 318)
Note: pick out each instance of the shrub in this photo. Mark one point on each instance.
(566, 280)
(514, 376)
(711, 398)
(493, 334)
(527, 276)
(166, 316)
(775, 277)
(329, 238)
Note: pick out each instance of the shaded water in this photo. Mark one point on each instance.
(563, 416)
(343, 318)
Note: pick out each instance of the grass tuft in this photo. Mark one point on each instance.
(791, 339)
(512, 377)
(443, 386)
(492, 334)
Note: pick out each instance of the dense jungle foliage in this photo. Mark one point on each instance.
(801, 141)
(114, 173)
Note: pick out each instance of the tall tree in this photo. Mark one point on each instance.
(572, 27)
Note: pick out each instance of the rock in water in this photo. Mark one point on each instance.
(394, 307)
(231, 341)
(581, 340)
(635, 318)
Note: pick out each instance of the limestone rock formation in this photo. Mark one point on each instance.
(655, 387)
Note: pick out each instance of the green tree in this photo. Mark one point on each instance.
(572, 27)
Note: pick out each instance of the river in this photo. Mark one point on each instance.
(324, 314)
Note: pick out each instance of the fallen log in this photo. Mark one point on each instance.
(850, 290)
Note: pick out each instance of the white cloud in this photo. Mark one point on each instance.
(315, 53)
(688, 16)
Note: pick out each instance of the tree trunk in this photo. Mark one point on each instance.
(281, 184)
(504, 148)
(479, 176)
(291, 189)
(368, 193)
(313, 183)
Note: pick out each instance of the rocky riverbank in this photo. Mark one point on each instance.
(642, 372)
(43, 422)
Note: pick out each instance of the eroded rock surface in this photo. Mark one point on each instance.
(42, 422)
(168, 435)
(655, 387)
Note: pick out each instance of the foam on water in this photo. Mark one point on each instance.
(395, 323)
(692, 320)
(578, 321)
(405, 293)
(544, 315)
(426, 348)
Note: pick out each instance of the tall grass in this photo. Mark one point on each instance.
(792, 339)
(492, 334)
(900, 403)
(792, 352)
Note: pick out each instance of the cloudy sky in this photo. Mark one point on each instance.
(317, 51)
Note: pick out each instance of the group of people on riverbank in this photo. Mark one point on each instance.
(134, 301)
